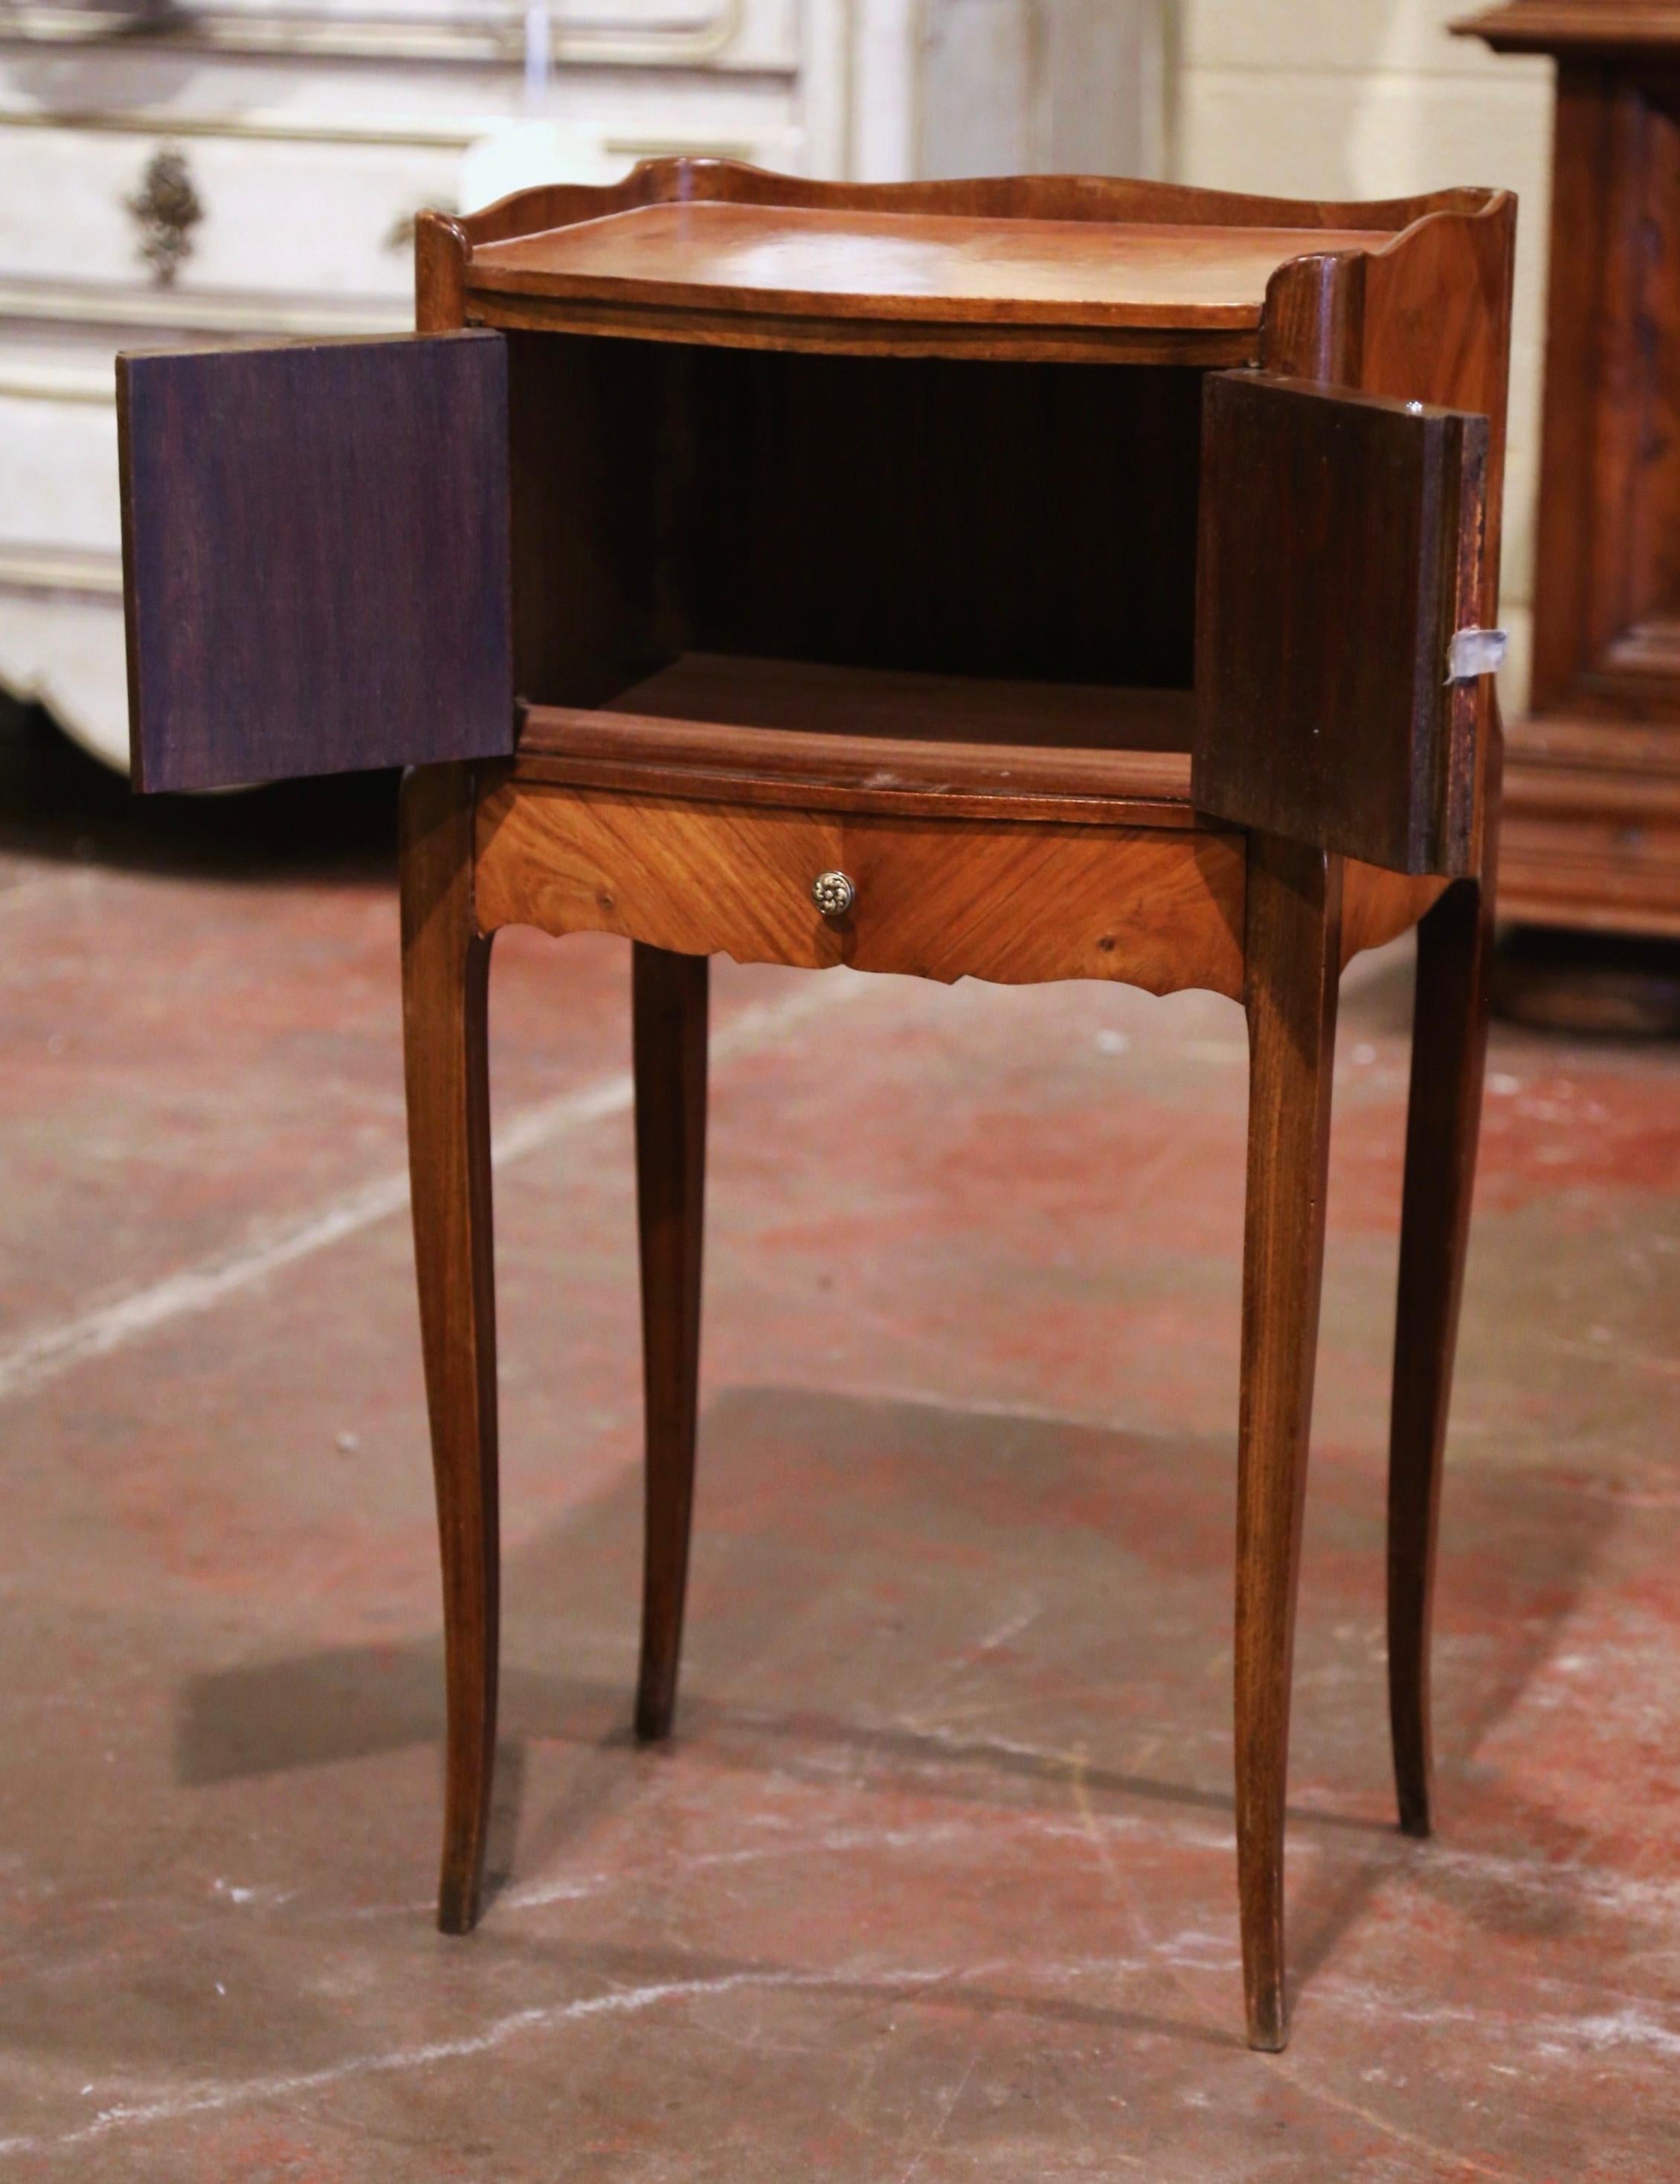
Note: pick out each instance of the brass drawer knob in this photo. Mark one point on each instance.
(833, 893)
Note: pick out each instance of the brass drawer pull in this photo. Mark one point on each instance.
(833, 893)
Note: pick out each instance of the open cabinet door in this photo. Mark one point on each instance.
(1339, 556)
(315, 557)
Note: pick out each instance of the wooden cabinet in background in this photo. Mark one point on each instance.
(1592, 810)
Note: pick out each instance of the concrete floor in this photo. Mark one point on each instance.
(937, 1880)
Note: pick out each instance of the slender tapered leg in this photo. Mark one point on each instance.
(1449, 1048)
(1294, 948)
(670, 1037)
(445, 975)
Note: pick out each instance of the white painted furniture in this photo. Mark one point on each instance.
(284, 116)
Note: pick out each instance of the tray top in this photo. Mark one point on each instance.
(796, 261)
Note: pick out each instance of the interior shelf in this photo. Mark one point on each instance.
(787, 732)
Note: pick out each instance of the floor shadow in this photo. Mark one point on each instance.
(322, 1709)
(849, 1553)
(57, 803)
(507, 1805)
(1516, 1551)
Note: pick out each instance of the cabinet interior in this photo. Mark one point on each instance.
(678, 509)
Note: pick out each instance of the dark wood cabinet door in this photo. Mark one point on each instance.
(1340, 550)
(315, 557)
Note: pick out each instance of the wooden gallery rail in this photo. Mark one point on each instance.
(1051, 578)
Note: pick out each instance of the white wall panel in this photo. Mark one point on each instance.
(1373, 99)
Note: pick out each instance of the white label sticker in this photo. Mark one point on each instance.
(1475, 652)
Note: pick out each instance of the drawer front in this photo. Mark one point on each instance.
(936, 899)
(300, 218)
(58, 461)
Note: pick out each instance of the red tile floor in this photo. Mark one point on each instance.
(937, 1881)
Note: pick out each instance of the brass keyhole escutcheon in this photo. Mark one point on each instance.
(165, 209)
(833, 893)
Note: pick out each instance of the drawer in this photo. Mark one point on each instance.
(58, 456)
(1012, 902)
(317, 218)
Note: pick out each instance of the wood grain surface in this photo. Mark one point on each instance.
(1071, 267)
(1648, 27)
(861, 739)
(446, 969)
(1590, 841)
(1293, 950)
(800, 261)
(1378, 906)
(1015, 904)
(897, 704)
(992, 340)
(315, 558)
(1103, 198)
(1341, 547)
(909, 517)
(668, 1002)
(1426, 317)
(1449, 1040)
(1016, 521)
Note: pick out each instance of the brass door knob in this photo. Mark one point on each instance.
(833, 893)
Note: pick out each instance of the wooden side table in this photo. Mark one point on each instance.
(1018, 580)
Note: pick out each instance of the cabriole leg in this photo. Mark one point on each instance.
(445, 978)
(1449, 1049)
(1293, 949)
(669, 1013)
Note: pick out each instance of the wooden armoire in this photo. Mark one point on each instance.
(1591, 811)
